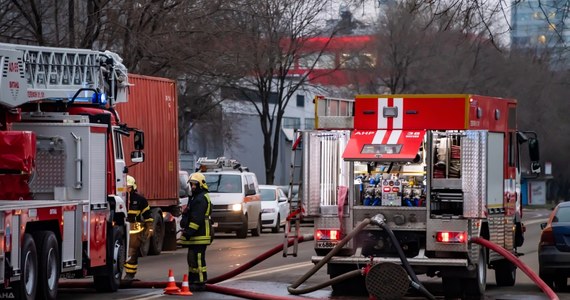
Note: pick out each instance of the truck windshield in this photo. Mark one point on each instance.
(223, 183)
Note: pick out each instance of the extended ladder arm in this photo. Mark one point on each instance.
(32, 73)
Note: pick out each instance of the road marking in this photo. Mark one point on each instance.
(535, 221)
(270, 270)
(148, 296)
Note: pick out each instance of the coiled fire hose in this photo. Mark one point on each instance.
(377, 220)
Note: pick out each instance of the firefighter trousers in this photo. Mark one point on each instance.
(197, 264)
(135, 242)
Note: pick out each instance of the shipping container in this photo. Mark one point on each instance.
(152, 108)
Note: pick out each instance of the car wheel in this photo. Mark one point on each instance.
(242, 232)
(560, 284)
(548, 279)
(257, 230)
(277, 225)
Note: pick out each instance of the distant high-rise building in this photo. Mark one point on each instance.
(541, 26)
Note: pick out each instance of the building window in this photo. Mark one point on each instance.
(294, 123)
(300, 100)
(309, 123)
(326, 61)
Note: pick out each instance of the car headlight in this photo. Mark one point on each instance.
(235, 207)
(268, 210)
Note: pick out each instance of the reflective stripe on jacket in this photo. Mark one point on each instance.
(196, 220)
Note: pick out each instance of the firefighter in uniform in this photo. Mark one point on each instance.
(139, 216)
(197, 231)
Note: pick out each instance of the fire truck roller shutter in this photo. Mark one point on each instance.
(384, 145)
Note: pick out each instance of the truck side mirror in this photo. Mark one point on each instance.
(137, 156)
(534, 154)
(139, 140)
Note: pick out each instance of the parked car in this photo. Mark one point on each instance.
(236, 202)
(274, 207)
(554, 248)
(295, 198)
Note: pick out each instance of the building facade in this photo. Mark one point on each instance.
(541, 26)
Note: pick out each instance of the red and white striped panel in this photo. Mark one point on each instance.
(409, 139)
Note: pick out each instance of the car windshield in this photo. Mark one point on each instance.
(267, 194)
(562, 214)
(295, 191)
(223, 183)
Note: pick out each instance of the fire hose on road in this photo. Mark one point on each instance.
(294, 290)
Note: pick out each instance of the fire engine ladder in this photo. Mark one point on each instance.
(59, 73)
(293, 224)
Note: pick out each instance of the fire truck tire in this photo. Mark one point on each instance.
(242, 232)
(350, 286)
(169, 241)
(505, 273)
(144, 247)
(27, 286)
(115, 262)
(476, 286)
(48, 264)
(157, 238)
(257, 230)
(452, 288)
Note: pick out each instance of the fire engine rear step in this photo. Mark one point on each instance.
(295, 207)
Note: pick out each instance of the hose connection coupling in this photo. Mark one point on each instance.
(378, 219)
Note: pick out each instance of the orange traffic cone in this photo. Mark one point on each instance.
(171, 288)
(185, 291)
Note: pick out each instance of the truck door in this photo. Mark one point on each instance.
(119, 164)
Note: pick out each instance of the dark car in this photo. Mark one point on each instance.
(554, 248)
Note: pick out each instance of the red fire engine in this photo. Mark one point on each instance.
(437, 169)
(62, 181)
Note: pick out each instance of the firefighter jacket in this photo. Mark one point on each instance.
(196, 221)
(139, 210)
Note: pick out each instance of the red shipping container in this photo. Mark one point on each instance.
(153, 108)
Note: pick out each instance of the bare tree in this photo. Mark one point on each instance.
(269, 38)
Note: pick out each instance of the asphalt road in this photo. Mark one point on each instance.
(273, 275)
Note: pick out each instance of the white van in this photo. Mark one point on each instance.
(236, 202)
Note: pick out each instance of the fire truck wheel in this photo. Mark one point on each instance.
(48, 262)
(29, 277)
(257, 230)
(352, 286)
(452, 288)
(157, 238)
(476, 286)
(505, 273)
(115, 262)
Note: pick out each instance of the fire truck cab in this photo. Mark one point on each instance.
(62, 169)
(437, 169)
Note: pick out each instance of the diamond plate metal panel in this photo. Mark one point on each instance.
(474, 172)
(335, 122)
(50, 171)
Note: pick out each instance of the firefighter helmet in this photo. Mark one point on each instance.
(131, 182)
(199, 179)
